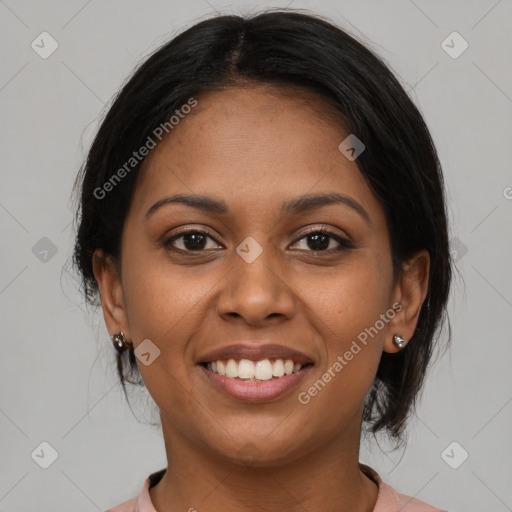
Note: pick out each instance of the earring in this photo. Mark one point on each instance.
(398, 340)
(120, 342)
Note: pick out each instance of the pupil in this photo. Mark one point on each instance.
(194, 241)
(316, 239)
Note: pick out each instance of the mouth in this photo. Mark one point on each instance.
(263, 370)
(255, 373)
(254, 385)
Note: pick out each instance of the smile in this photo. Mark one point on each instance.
(255, 381)
(263, 370)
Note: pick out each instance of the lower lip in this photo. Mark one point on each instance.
(255, 391)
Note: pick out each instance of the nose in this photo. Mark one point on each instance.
(256, 293)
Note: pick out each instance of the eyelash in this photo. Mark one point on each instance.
(343, 242)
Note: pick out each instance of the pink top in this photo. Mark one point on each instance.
(388, 500)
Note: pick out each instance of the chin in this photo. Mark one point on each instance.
(264, 452)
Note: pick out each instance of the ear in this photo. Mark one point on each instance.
(112, 300)
(409, 291)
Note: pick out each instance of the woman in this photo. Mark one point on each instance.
(262, 214)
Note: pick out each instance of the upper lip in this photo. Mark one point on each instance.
(255, 353)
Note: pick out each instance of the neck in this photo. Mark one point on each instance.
(328, 478)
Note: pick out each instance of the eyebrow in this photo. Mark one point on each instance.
(301, 204)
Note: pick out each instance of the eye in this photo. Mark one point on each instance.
(192, 240)
(319, 240)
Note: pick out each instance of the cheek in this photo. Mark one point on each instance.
(161, 299)
(349, 308)
(352, 298)
(166, 305)
(162, 309)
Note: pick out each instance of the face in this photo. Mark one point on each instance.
(258, 275)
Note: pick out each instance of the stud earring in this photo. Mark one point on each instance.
(120, 342)
(398, 340)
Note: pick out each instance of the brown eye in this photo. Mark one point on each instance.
(320, 241)
(193, 240)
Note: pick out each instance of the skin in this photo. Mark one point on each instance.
(254, 148)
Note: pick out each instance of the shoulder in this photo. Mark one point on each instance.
(409, 504)
(142, 502)
(127, 506)
(389, 500)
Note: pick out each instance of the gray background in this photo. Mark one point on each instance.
(58, 381)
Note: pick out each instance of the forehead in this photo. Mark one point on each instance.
(254, 146)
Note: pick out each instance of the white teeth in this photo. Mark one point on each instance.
(246, 369)
(231, 368)
(263, 370)
(278, 368)
(250, 370)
